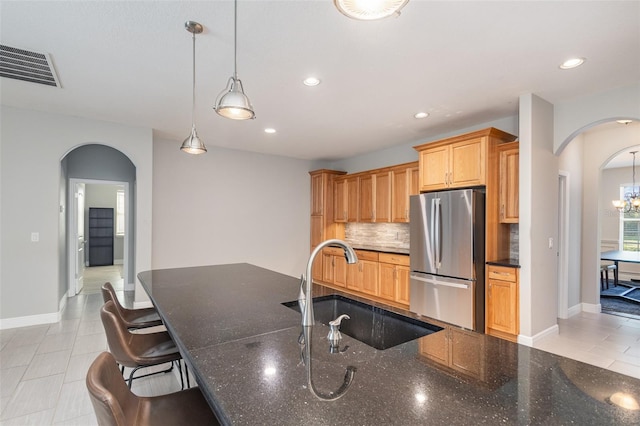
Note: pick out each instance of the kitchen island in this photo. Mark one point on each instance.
(241, 344)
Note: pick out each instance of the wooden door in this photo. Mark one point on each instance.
(387, 274)
(340, 200)
(340, 271)
(467, 163)
(434, 168)
(509, 181)
(400, 195)
(317, 204)
(317, 230)
(402, 284)
(327, 267)
(366, 198)
(317, 270)
(369, 277)
(502, 306)
(352, 198)
(382, 198)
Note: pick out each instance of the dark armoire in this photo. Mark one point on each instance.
(100, 236)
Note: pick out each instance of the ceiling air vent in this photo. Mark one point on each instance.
(29, 66)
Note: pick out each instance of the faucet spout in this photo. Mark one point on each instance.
(307, 311)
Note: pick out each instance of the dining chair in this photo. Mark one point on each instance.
(133, 318)
(115, 405)
(138, 350)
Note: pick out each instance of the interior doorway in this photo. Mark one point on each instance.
(86, 194)
(563, 247)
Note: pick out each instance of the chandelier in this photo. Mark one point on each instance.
(631, 202)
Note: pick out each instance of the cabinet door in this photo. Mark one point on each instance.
(317, 204)
(400, 195)
(402, 284)
(387, 274)
(317, 270)
(369, 277)
(340, 200)
(327, 267)
(352, 199)
(382, 198)
(509, 181)
(366, 198)
(340, 271)
(467, 163)
(502, 306)
(354, 277)
(317, 230)
(434, 168)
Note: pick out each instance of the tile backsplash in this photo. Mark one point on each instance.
(394, 235)
(514, 239)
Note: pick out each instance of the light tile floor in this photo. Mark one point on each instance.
(43, 368)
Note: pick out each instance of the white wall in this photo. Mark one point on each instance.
(32, 146)
(229, 206)
(570, 161)
(538, 219)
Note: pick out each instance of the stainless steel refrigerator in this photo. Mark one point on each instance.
(447, 256)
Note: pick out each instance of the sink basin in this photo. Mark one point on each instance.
(376, 327)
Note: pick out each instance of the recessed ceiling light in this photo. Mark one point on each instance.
(311, 81)
(624, 121)
(572, 63)
(421, 115)
(269, 130)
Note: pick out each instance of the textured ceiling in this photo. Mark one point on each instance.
(463, 62)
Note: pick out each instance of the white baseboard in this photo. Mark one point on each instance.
(574, 310)
(531, 340)
(39, 319)
(118, 261)
(592, 308)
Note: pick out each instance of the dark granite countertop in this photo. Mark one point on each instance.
(510, 262)
(241, 344)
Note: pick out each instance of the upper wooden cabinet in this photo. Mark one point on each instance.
(366, 198)
(382, 198)
(509, 181)
(404, 183)
(346, 192)
(458, 162)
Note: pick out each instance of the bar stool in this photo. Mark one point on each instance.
(115, 404)
(137, 350)
(133, 318)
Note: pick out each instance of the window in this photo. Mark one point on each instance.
(629, 225)
(120, 212)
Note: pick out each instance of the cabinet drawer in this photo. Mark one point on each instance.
(396, 259)
(367, 255)
(502, 273)
(336, 251)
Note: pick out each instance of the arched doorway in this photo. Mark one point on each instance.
(109, 176)
(582, 158)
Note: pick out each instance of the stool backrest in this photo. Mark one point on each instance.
(118, 335)
(113, 403)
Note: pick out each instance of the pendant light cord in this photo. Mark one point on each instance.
(193, 84)
(235, 40)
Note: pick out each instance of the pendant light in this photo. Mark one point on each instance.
(631, 201)
(193, 144)
(232, 102)
(368, 10)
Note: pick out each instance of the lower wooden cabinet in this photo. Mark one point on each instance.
(502, 302)
(458, 349)
(363, 276)
(376, 276)
(394, 277)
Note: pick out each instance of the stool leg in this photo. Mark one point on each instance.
(601, 279)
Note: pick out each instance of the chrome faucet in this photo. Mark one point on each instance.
(305, 299)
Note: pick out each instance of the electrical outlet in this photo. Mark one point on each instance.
(550, 242)
(35, 237)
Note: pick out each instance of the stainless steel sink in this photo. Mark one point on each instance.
(376, 327)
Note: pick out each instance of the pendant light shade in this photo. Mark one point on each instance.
(193, 144)
(232, 102)
(369, 10)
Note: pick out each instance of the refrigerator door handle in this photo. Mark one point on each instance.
(439, 232)
(442, 283)
(433, 240)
